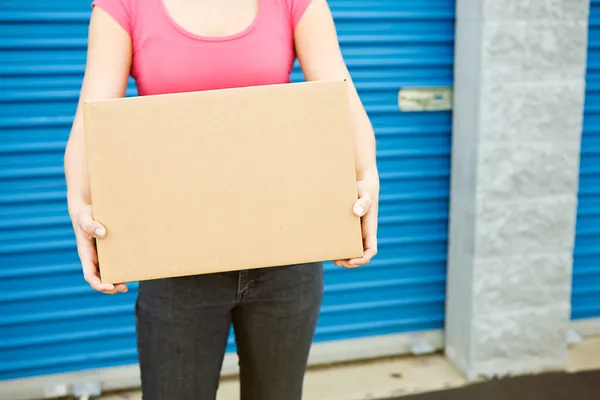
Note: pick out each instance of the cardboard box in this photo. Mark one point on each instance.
(224, 180)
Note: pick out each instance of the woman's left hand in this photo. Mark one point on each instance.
(365, 207)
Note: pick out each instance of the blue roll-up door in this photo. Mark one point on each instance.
(586, 262)
(51, 322)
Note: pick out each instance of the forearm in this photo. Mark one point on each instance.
(76, 170)
(107, 69)
(364, 143)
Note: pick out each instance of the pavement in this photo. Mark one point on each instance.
(395, 377)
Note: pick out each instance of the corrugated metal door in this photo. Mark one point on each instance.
(51, 322)
(586, 267)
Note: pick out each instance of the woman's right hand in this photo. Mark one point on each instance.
(86, 232)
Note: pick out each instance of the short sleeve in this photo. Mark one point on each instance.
(297, 9)
(120, 10)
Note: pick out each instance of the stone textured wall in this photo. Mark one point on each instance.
(519, 94)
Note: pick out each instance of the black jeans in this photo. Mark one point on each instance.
(183, 326)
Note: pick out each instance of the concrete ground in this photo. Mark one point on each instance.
(392, 377)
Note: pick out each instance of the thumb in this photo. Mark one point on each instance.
(362, 205)
(91, 227)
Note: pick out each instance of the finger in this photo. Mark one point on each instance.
(343, 264)
(94, 280)
(365, 259)
(370, 242)
(97, 284)
(362, 206)
(91, 227)
(91, 276)
(121, 288)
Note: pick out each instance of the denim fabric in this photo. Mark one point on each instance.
(183, 326)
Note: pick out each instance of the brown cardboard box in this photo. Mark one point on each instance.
(222, 180)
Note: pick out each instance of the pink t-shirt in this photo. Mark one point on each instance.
(169, 59)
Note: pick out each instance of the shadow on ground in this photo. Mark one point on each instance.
(550, 386)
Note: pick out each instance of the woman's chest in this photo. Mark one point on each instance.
(164, 64)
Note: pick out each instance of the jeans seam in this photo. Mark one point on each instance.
(240, 286)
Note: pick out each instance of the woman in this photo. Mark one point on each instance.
(182, 324)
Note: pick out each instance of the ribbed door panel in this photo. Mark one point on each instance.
(51, 322)
(586, 267)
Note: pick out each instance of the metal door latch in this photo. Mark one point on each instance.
(425, 99)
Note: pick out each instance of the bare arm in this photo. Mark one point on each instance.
(319, 53)
(107, 70)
